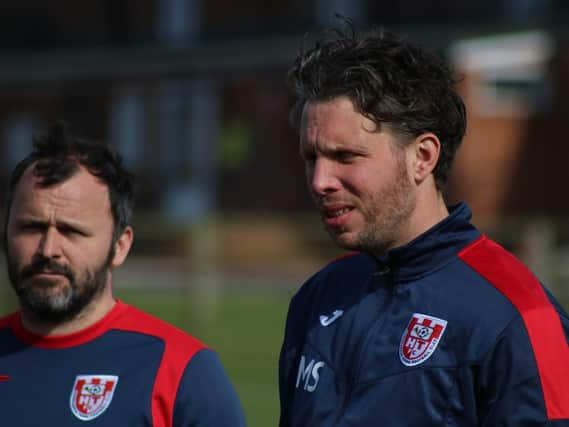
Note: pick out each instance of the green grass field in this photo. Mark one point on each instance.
(245, 328)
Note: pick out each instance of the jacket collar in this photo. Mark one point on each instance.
(433, 249)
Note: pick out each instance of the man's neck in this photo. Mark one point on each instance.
(429, 212)
(430, 209)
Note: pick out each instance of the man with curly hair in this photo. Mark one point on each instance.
(428, 322)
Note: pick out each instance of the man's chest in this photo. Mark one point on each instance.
(96, 382)
(384, 355)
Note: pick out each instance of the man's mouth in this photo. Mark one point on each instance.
(47, 273)
(334, 213)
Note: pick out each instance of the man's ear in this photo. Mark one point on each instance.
(122, 246)
(426, 152)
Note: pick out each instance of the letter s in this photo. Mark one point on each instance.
(316, 376)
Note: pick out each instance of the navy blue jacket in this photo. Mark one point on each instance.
(448, 330)
(128, 369)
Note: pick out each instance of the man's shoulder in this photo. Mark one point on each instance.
(513, 280)
(501, 268)
(138, 321)
(7, 320)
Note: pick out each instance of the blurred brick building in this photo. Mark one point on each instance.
(192, 92)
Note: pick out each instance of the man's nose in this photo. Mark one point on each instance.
(50, 246)
(322, 177)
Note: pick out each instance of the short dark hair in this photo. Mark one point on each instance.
(58, 154)
(388, 80)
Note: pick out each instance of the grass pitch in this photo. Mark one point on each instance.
(246, 329)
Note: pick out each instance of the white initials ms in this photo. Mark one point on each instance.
(308, 374)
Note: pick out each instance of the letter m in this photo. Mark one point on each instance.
(304, 371)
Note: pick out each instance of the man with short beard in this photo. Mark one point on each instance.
(429, 322)
(74, 353)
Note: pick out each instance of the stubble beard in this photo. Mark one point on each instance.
(51, 305)
(386, 217)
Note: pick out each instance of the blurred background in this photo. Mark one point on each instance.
(193, 94)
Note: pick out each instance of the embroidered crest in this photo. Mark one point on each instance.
(420, 339)
(92, 395)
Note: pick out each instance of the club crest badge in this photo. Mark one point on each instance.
(420, 339)
(92, 395)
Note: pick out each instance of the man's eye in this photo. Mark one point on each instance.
(32, 227)
(70, 231)
(345, 156)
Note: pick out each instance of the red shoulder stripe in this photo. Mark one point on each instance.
(541, 320)
(7, 320)
(179, 349)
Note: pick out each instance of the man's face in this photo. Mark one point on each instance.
(58, 242)
(357, 176)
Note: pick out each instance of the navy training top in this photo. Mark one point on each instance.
(448, 330)
(128, 369)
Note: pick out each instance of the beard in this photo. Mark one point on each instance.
(50, 301)
(386, 216)
(384, 230)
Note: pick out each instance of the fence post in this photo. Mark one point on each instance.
(538, 241)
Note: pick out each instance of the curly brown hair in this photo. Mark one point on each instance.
(389, 80)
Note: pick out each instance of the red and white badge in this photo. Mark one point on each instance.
(92, 395)
(420, 339)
